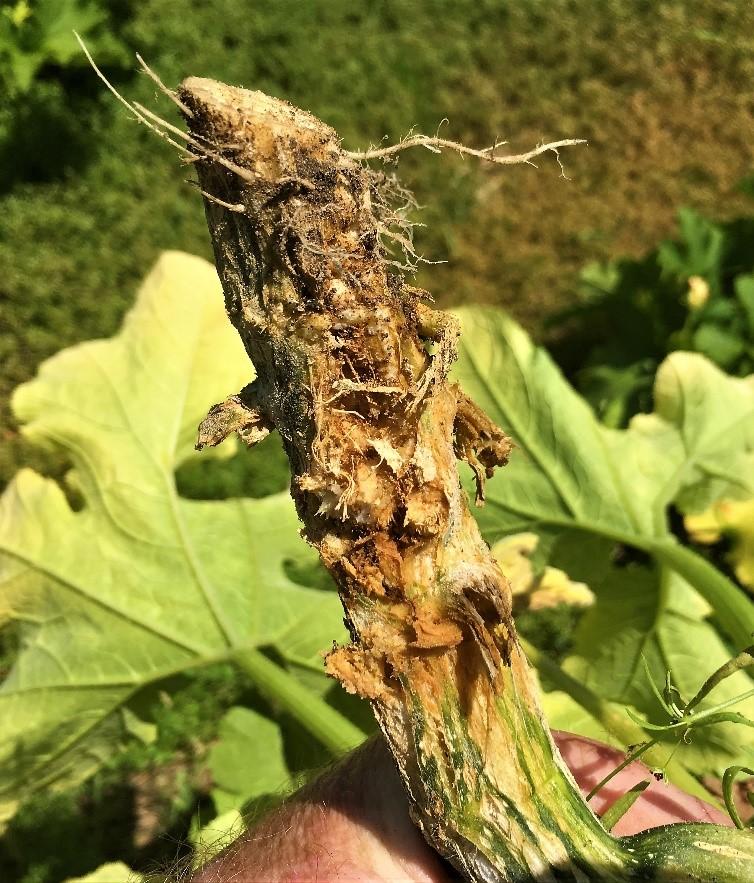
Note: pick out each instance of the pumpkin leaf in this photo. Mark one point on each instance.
(137, 584)
(209, 840)
(570, 473)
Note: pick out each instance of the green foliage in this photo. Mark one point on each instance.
(68, 834)
(117, 599)
(552, 629)
(695, 293)
(88, 198)
(684, 719)
(248, 760)
(256, 473)
(184, 712)
(586, 489)
(138, 585)
(38, 33)
(162, 784)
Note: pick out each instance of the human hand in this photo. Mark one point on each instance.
(352, 824)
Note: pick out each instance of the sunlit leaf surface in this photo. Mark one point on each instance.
(586, 489)
(137, 584)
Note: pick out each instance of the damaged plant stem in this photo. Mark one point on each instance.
(351, 370)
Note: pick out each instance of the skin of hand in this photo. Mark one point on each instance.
(352, 824)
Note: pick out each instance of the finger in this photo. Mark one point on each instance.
(351, 824)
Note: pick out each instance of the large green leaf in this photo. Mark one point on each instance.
(563, 472)
(570, 473)
(713, 415)
(569, 470)
(137, 584)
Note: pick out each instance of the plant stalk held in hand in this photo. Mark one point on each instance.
(352, 371)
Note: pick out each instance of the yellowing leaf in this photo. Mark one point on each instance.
(713, 416)
(512, 554)
(139, 584)
(556, 587)
(216, 835)
(550, 589)
(113, 872)
(584, 489)
(734, 519)
(569, 471)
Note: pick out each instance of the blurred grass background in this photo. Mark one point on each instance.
(88, 199)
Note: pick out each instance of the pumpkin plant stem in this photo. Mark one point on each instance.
(352, 371)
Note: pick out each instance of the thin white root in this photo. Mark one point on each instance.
(161, 127)
(204, 151)
(436, 144)
(140, 117)
(163, 88)
(237, 207)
